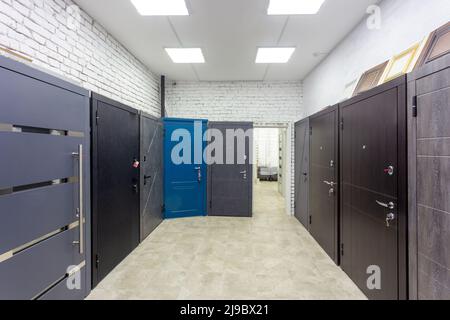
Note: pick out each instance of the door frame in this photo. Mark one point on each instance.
(337, 215)
(209, 179)
(289, 126)
(402, 176)
(95, 99)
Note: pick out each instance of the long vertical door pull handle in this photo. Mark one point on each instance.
(80, 197)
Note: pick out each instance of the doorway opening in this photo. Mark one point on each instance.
(271, 169)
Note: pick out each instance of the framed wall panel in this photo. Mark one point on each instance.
(370, 78)
(438, 45)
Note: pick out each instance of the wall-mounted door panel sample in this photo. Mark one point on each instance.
(44, 185)
(429, 186)
(231, 184)
(302, 171)
(152, 174)
(373, 190)
(324, 179)
(437, 46)
(185, 171)
(404, 62)
(115, 188)
(370, 78)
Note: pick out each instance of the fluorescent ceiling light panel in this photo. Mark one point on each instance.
(161, 7)
(274, 55)
(186, 55)
(292, 7)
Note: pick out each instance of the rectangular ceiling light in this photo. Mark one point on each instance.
(274, 55)
(186, 55)
(161, 7)
(293, 7)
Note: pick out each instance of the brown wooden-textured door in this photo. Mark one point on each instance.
(323, 195)
(429, 184)
(372, 205)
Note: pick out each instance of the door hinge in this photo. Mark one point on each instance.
(342, 249)
(414, 106)
(295, 204)
(342, 124)
(310, 219)
(310, 131)
(210, 204)
(96, 117)
(97, 261)
(163, 208)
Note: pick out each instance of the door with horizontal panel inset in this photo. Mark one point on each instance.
(115, 184)
(302, 171)
(151, 174)
(185, 171)
(373, 199)
(231, 184)
(323, 195)
(44, 186)
(429, 187)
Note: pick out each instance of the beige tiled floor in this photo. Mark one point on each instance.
(270, 256)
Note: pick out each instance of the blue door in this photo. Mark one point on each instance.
(184, 168)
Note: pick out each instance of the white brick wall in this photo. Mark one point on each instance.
(80, 49)
(260, 102)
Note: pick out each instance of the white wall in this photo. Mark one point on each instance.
(267, 145)
(79, 49)
(404, 22)
(259, 102)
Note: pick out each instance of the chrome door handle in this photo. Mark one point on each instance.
(80, 212)
(331, 184)
(389, 217)
(199, 173)
(389, 205)
(243, 172)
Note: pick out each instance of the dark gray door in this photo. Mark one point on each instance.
(151, 174)
(323, 195)
(429, 184)
(115, 184)
(302, 171)
(44, 196)
(231, 185)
